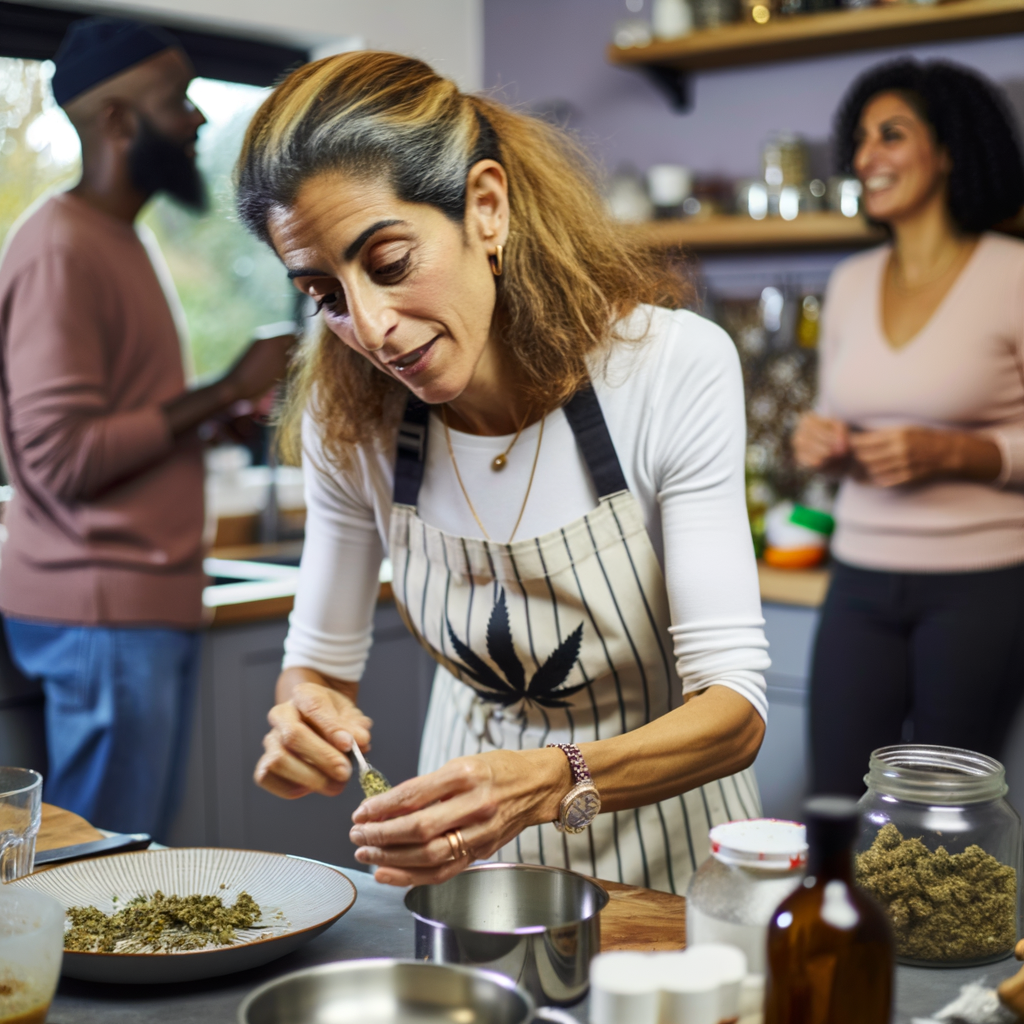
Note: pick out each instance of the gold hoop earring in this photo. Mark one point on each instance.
(497, 260)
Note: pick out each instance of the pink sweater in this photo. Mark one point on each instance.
(107, 519)
(963, 371)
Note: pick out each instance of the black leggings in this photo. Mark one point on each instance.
(920, 657)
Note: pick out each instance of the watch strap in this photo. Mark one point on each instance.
(577, 764)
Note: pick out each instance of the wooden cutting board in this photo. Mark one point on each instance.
(641, 919)
(62, 828)
(635, 919)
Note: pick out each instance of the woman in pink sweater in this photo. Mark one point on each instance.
(921, 412)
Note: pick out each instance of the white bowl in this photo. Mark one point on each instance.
(299, 898)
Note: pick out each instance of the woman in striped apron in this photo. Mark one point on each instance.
(558, 482)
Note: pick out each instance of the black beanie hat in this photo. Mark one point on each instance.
(95, 49)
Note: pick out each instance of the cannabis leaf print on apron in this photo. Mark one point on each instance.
(561, 638)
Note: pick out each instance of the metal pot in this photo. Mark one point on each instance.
(392, 992)
(538, 926)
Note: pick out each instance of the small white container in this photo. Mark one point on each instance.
(669, 184)
(672, 19)
(623, 987)
(31, 949)
(754, 865)
(700, 985)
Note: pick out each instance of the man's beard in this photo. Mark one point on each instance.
(157, 164)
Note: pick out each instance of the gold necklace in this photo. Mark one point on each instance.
(465, 493)
(499, 462)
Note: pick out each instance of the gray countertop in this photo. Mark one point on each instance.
(379, 925)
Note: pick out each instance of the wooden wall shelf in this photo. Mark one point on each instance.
(814, 35)
(737, 234)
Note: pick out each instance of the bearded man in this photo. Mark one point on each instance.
(101, 578)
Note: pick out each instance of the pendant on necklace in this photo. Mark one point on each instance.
(498, 463)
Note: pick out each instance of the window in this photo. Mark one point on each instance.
(228, 282)
(38, 147)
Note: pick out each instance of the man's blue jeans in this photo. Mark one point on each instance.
(118, 717)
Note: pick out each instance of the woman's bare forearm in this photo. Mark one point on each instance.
(716, 733)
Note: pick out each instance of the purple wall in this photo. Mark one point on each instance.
(545, 51)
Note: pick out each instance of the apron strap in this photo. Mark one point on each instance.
(583, 411)
(412, 451)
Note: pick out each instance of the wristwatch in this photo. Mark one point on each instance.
(582, 804)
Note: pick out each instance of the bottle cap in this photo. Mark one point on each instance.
(765, 843)
(832, 823)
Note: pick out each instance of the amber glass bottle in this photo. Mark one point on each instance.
(830, 949)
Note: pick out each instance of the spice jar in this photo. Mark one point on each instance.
(940, 849)
(754, 865)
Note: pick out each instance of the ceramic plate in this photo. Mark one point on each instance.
(299, 898)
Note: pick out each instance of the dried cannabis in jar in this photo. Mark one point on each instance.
(160, 923)
(943, 907)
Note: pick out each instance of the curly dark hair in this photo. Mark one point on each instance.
(968, 115)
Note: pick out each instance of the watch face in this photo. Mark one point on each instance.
(582, 810)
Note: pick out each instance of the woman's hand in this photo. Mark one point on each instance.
(907, 455)
(312, 729)
(489, 797)
(820, 443)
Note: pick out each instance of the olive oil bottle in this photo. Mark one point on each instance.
(830, 948)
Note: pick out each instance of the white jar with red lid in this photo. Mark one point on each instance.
(754, 865)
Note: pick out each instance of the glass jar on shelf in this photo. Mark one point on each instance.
(711, 14)
(940, 849)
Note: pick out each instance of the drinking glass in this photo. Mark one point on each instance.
(21, 807)
(31, 948)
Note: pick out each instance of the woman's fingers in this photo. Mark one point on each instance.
(298, 739)
(432, 862)
(428, 855)
(421, 876)
(818, 440)
(456, 777)
(422, 826)
(888, 457)
(333, 715)
(284, 774)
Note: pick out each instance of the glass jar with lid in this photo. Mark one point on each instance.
(940, 849)
(754, 865)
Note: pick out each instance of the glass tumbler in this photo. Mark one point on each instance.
(21, 809)
(941, 850)
(31, 948)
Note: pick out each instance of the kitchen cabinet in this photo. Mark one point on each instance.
(222, 806)
(783, 762)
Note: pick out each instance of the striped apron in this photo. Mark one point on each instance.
(557, 639)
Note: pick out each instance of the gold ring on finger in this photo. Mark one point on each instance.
(455, 842)
(463, 849)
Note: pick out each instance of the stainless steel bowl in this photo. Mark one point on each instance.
(538, 926)
(391, 992)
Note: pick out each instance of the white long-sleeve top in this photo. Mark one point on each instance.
(673, 402)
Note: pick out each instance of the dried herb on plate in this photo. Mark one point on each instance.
(161, 924)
